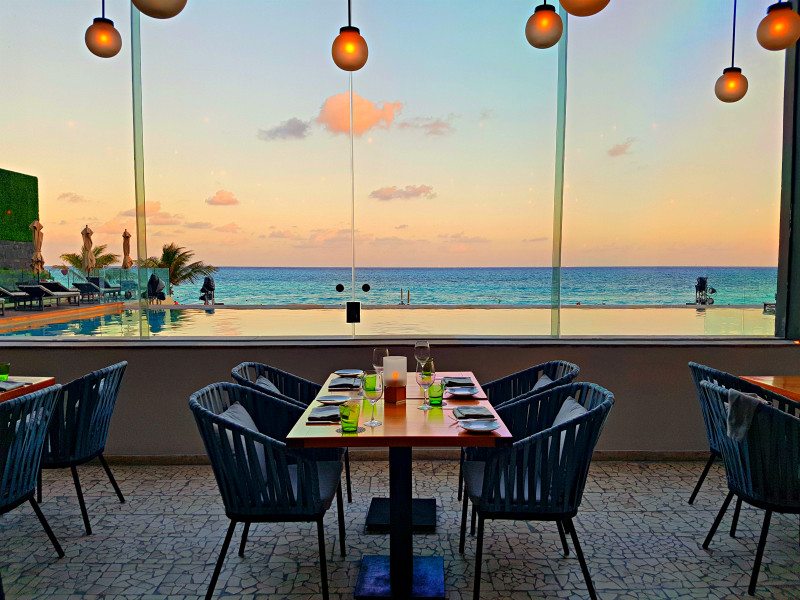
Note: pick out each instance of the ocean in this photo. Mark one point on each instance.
(522, 286)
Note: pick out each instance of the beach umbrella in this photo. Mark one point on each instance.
(127, 261)
(37, 260)
(87, 256)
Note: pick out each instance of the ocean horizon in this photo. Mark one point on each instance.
(511, 286)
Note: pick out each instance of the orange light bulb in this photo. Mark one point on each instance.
(780, 29)
(544, 27)
(160, 9)
(732, 85)
(102, 38)
(349, 50)
(584, 8)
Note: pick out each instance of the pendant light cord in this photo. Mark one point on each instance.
(733, 42)
(349, 14)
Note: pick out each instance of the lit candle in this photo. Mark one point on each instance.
(395, 370)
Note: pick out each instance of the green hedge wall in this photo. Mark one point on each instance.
(19, 205)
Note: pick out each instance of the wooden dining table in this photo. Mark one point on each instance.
(404, 426)
(785, 385)
(31, 384)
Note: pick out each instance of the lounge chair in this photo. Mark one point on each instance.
(55, 286)
(106, 288)
(89, 291)
(15, 296)
(39, 292)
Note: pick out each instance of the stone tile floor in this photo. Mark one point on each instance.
(641, 539)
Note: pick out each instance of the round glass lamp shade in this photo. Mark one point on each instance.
(545, 27)
(160, 9)
(780, 29)
(103, 39)
(349, 49)
(731, 86)
(584, 8)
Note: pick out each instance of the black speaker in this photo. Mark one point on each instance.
(354, 312)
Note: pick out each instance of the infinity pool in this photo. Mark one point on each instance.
(410, 321)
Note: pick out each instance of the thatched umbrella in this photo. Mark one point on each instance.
(87, 256)
(37, 260)
(127, 261)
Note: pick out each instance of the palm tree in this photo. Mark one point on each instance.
(101, 258)
(179, 262)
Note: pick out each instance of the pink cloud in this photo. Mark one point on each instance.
(430, 125)
(621, 149)
(222, 198)
(229, 228)
(407, 193)
(335, 114)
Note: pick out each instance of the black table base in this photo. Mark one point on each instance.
(374, 580)
(423, 515)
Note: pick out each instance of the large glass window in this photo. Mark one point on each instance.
(442, 224)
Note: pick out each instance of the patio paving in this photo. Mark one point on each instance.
(641, 539)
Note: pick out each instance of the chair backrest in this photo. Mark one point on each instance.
(291, 387)
(701, 373)
(765, 466)
(246, 490)
(79, 428)
(23, 425)
(515, 385)
(546, 471)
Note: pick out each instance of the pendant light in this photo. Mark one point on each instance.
(584, 8)
(780, 29)
(349, 49)
(544, 28)
(732, 85)
(160, 9)
(102, 38)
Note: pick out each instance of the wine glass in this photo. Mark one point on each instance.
(372, 388)
(422, 351)
(426, 375)
(378, 354)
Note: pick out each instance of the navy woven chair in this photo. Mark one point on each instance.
(291, 388)
(517, 385)
(541, 477)
(259, 478)
(763, 469)
(79, 428)
(23, 424)
(702, 373)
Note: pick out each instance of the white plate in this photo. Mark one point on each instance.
(349, 372)
(333, 400)
(462, 392)
(480, 425)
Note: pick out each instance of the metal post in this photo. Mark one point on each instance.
(558, 188)
(138, 165)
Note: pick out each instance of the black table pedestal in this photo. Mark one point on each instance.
(423, 515)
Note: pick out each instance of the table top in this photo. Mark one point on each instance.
(785, 385)
(404, 425)
(32, 384)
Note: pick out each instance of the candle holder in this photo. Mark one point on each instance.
(395, 375)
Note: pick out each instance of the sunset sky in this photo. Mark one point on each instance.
(247, 152)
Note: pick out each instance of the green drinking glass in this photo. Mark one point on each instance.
(348, 415)
(5, 369)
(435, 393)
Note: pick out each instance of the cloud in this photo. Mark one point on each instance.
(198, 225)
(621, 149)
(222, 198)
(291, 129)
(429, 125)
(406, 193)
(149, 208)
(460, 238)
(154, 215)
(534, 240)
(335, 114)
(284, 234)
(228, 228)
(403, 226)
(70, 197)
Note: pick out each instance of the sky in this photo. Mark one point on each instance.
(247, 153)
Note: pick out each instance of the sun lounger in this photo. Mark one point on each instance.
(15, 296)
(106, 288)
(56, 287)
(89, 291)
(40, 293)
